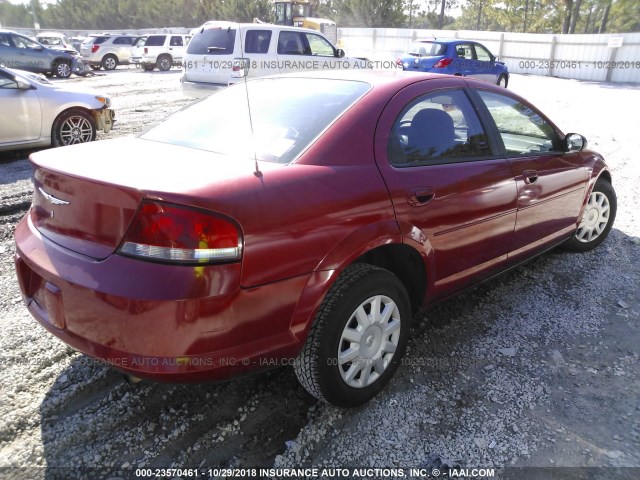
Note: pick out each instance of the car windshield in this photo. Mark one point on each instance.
(280, 116)
(427, 49)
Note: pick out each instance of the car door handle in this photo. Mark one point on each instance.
(420, 196)
(530, 176)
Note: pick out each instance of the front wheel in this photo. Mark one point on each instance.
(502, 81)
(597, 219)
(358, 337)
(73, 126)
(62, 69)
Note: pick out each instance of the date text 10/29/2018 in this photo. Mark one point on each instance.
(575, 64)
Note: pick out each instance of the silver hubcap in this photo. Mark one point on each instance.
(110, 64)
(75, 129)
(164, 63)
(63, 70)
(369, 341)
(595, 218)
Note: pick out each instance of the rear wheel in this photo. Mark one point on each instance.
(357, 338)
(73, 126)
(109, 62)
(164, 63)
(62, 69)
(597, 219)
(502, 81)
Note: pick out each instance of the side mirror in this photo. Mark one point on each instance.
(22, 85)
(339, 53)
(574, 142)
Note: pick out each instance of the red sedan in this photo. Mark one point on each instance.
(299, 220)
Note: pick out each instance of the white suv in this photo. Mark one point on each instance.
(106, 51)
(161, 51)
(222, 53)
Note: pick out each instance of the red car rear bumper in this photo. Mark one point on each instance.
(157, 321)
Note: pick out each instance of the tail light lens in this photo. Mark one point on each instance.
(172, 233)
(94, 48)
(146, 50)
(240, 68)
(443, 62)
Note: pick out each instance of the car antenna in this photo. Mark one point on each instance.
(257, 172)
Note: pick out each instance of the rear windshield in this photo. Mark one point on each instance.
(156, 41)
(282, 126)
(427, 49)
(213, 41)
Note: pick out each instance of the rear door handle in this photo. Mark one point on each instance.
(530, 176)
(420, 196)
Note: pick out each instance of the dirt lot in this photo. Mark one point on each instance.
(538, 368)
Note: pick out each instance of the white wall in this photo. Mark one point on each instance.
(582, 57)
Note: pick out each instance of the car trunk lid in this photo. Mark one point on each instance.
(85, 196)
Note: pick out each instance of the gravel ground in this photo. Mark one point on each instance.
(538, 368)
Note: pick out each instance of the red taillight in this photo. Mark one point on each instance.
(94, 48)
(146, 50)
(172, 233)
(443, 62)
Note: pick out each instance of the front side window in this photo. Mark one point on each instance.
(276, 129)
(522, 129)
(213, 41)
(435, 128)
(482, 53)
(257, 41)
(319, 46)
(123, 41)
(24, 42)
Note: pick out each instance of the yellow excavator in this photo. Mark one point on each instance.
(300, 14)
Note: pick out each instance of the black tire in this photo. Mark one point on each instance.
(503, 81)
(62, 69)
(164, 63)
(148, 68)
(596, 221)
(109, 62)
(318, 366)
(73, 126)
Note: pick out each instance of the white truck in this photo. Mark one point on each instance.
(161, 51)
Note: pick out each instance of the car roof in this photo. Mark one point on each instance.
(444, 40)
(373, 77)
(255, 26)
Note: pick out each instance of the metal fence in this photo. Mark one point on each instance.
(601, 57)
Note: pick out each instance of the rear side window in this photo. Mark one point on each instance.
(291, 43)
(257, 41)
(99, 40)
(176, 41)
(427, 49)
(438, 127)
(155, 41)
(213, 41)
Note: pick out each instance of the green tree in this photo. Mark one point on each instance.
(363, 13)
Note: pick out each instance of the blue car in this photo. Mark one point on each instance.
(455, 57)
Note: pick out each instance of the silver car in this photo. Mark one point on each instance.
(39, 113)
(107, 51)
